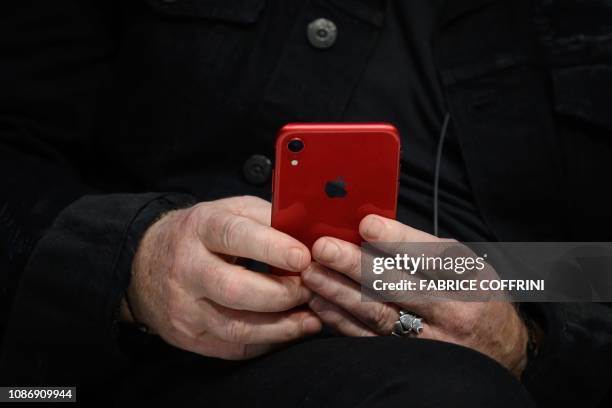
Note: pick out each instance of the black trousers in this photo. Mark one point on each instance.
(332, 372)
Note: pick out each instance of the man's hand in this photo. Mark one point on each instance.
(186, 288)
(493, 328)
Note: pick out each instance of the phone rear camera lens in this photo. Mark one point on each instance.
(296, 145)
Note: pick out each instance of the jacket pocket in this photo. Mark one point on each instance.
(583, 92)
(234, 11)
(577, 36)
(498, 95)
(210, 40)
(182, 71)
(199, 46)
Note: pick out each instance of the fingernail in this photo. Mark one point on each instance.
(329, 251)
(373, 228)
(295, 259)
(311, 325)
(314, 302)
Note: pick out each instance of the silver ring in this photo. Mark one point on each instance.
(407, 324)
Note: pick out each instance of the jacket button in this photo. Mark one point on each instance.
(257, 169)
(322, 33)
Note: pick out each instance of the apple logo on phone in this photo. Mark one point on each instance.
(336, 188)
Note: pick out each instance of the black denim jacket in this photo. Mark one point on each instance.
(113, 112)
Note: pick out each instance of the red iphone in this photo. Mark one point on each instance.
(329, 176)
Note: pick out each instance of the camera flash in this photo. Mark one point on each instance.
(294, 162)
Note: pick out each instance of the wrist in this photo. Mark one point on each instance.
(144, 217)
(149, 255)
(531, 339)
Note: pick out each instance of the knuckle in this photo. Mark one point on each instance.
(195, 218)
(267, 247)
(179, 330)
(209, 218)
(186, 340)
(214, 221)
(238, 204)
(246, 201)
(214, 272)
(463, 322)
(175, 317)
(231, 229)
(230, 289)
(237, 331)
(456, 327)
(381, 317)
(195, 212)
(354, 262)
(183, 337)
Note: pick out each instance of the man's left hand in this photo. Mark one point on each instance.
(492, 328)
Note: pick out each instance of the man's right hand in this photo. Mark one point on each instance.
(186, 288)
